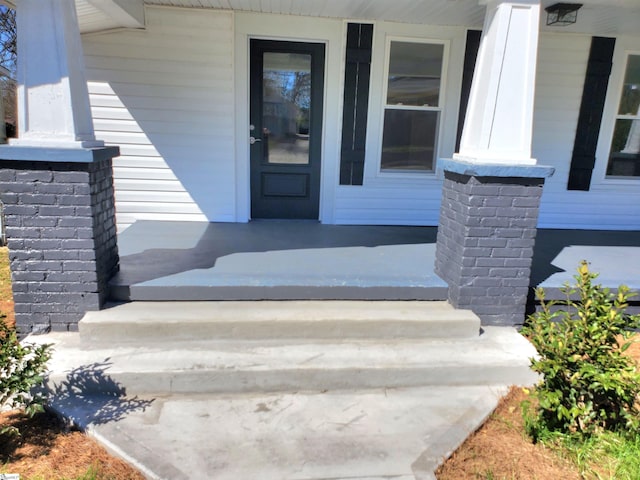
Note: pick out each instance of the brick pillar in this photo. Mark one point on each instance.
(61, 232)
(487, 229)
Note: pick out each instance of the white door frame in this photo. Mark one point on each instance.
(302, 29)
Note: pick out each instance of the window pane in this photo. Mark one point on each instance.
(286, 107)
(414, 74)
(630, 100)
(624, 159)
(409, 140)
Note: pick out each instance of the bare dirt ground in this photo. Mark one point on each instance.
(46, 450)
(500, 449)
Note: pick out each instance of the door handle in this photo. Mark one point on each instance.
(253, 140)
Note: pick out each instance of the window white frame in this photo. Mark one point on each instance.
(439, 108)
(620, 116)
(624, 48)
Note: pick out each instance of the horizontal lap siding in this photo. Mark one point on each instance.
(165, 96)
(562, 64)
(390, 203)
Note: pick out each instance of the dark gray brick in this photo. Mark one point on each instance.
(61, 255)
(26, 210)
(75, 276)
(75, 222)
(495, 222)
(55, 210)
(72, 177)
(25, 276)
(53, 188)
(39, 221)
(78, 266)
(14, 187)
(41, 243)
(493, 242)
(36, 199)
(34, 176)
(19, 286)
(506, 252)
(7, 175)
(491, 262)
(533, 202)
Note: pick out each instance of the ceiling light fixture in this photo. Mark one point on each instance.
(562, 14)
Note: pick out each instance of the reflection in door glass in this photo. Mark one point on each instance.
(286, 105)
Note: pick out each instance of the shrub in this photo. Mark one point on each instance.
(21, 369)
(587, 384)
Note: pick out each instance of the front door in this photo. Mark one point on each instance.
(286, 87)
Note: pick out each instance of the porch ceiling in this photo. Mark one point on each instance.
(599, 17)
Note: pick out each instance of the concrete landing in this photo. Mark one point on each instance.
(400, 434)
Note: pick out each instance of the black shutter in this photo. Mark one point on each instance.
(593, 97)
(356, 101)
(470, 55)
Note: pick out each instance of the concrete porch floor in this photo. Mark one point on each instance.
(307, 260)
(276, 260)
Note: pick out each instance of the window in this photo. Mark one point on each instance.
(413, 106)
(624, 156)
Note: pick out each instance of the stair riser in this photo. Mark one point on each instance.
(199, 382)
(114, 333)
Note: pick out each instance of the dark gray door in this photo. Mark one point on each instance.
(286, 88)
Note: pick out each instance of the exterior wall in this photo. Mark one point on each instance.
(175, 98)
(165, 96)
(609, 204)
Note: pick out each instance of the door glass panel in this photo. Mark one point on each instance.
(286, 105)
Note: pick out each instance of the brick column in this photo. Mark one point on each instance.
(61, 232)
(486, 234)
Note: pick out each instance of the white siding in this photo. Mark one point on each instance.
(562, 63)
(166, 97)
(402, 198)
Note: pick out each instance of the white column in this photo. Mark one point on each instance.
(499, 121)
(53, 101)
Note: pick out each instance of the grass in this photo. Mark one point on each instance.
(6, 295)
(609, 456)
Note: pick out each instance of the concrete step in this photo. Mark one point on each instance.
(499, 356)
(161, 322)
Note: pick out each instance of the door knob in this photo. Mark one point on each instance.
(253, 140)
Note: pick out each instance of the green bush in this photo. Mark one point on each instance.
(587, 384)
(21, 369)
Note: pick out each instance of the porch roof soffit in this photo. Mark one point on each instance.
(98, 15)
(596, 17)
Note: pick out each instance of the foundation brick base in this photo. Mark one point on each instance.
(61, 234)
(485, 243)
